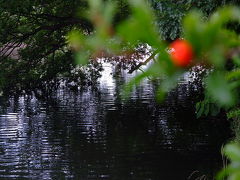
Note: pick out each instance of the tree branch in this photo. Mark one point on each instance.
(143, 63)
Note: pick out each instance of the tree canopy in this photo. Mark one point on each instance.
(33, 33)
(40, 27)
(169, 13)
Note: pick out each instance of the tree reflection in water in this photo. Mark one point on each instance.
(92, 134)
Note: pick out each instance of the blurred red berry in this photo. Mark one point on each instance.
(181, 53)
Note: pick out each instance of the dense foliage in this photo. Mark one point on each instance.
(169, 13)
(39, 28)
(33, 48)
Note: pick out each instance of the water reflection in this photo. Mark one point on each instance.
(94, 135)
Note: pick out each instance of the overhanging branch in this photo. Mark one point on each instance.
(143, 63)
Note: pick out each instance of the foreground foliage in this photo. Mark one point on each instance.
(232, 151)
(213, 40)
(34, 33)
(213, 44)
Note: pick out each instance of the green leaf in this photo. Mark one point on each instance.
(232, 151)
(236, 60)
(167, 84)
(216, 56)
(82, 58)
(235, 176)
(234, 74)
(223, 173)
(197, 106)
(75, 39)
(219, 89)
(224, 15)
(140, 26)
(193, 28)
(127, 88)
(109, 11)
(161, 94)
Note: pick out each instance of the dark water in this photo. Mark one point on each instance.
(93, 135)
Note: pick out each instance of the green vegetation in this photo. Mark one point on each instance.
(232, 151)
(214, 41)
(37, 39)
(169, 13)
(34, 53)
(40, 27)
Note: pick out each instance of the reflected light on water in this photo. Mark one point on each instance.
(94, 135)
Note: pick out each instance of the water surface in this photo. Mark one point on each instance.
(92, 134)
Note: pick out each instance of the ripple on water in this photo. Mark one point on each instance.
(89, 135)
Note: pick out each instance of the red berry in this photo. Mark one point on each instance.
(181, 53)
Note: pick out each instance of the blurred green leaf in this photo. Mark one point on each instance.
(127, 88)
(216, 56)
(235, 176)
(224, 15)
(82, 58)
(219, 89)
(167, 84)
(140, 26)
(234, 74)
(75, 39)
(236, 60)
(193, 28)
(232, 151)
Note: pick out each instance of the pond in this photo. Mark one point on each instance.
(92, 134)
